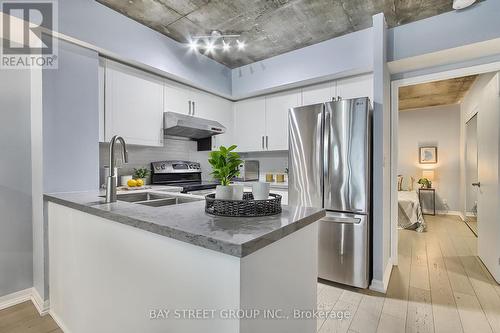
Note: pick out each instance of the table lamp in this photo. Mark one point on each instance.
(429, 174)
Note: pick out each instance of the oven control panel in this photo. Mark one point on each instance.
(175, 167)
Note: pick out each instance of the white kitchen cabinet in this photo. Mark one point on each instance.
(133, 105)
(318, 93)
(277, 106)
(355, 86)
(250, 124)
(178, 98)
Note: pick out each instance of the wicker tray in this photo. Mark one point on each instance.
(248, 207)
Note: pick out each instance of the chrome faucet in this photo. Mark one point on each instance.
(112, 181)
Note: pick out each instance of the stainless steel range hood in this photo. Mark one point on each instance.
(176, 124)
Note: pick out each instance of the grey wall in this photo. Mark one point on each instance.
(438, 126)
(448, 30)
(91, 22)
(338, 57)
(71, 121)
(381, 155)
(16, 264)
(70, 134)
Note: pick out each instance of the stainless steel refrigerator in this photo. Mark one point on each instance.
(330, 167)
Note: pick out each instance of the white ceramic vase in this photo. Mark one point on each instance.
(260, 190)
(224, 192)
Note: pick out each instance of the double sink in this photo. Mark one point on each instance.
(155, 199)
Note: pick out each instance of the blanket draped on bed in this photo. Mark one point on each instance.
(409, 211)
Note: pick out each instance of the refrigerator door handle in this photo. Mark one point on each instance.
(262, 142)
(345, 220)
(326, 148)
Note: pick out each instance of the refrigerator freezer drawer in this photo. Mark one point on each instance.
(343, 252)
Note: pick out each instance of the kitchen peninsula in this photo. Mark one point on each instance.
(127, 267)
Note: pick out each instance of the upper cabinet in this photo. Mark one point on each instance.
(261, 124)
(277, 106)
(178, 98)
(250, 124)
(318, 93)
(351, 87)
(355, 86)
(215, 108)
(133, 105)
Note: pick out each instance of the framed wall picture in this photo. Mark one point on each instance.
(428, 155)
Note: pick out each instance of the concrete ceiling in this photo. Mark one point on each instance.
(271, 27)
(445, 92)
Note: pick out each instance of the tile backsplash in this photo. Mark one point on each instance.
(142, 156)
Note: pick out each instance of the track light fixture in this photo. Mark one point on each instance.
(216, 40)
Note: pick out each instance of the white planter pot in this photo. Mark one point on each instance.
(224, 192)
(237, 192)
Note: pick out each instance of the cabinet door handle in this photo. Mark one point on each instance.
(189, 103)
(193, 108)
(267, 142)
(262, 142)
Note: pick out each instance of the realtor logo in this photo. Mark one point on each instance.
(27, 34)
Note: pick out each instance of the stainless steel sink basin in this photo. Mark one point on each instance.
(136, 197)
(155, 199)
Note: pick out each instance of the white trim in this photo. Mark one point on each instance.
(443, 212)
(381, 286)
(41, 305)
(448, 56)
(395, 85)
(59, 322)
(15, 298)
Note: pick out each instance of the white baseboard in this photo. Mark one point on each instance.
(381, 286)
(30, 294)
(41, 305)
(445, 212)
(58, 322)
(15, 298)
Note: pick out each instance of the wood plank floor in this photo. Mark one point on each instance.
(440, 285)
(24, 318)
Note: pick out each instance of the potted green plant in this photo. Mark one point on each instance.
(141, 173)
(225, 166)
(425, 183)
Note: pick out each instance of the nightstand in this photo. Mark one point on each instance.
(433, 191)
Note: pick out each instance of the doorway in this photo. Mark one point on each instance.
(471, 160)
(486, 103)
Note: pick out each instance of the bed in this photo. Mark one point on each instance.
(410, 212)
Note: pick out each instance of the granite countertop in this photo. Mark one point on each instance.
(189, 223)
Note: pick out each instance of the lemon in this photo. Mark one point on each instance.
(132, 183)
(139, 182)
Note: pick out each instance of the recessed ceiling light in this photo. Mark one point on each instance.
(461, 4)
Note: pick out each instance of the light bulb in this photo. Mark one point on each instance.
(225, 46)
(193, 45)
(210, 47)
(241, 45)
